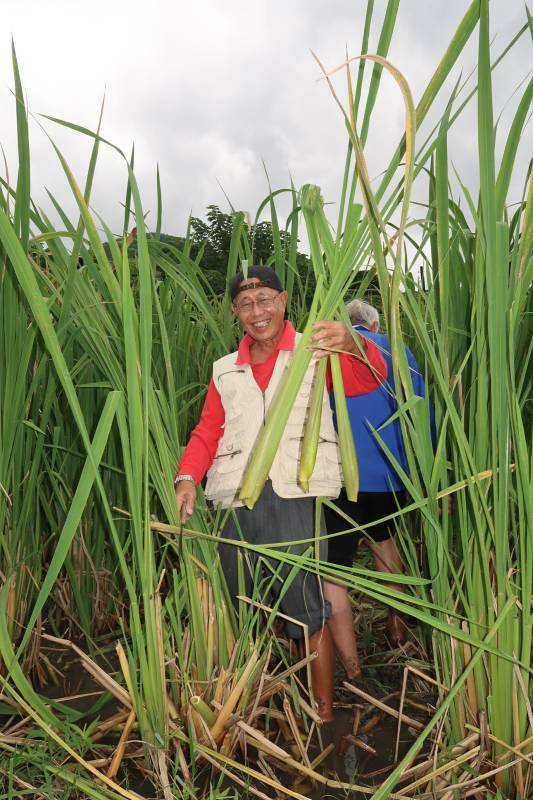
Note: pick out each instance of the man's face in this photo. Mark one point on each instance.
(260, 311)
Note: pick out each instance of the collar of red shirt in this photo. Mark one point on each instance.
(285, 343)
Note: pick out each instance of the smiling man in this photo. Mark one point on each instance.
(239, 395)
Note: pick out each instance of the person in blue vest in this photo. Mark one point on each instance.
(381, 492)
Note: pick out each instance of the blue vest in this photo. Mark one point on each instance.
(376, 473)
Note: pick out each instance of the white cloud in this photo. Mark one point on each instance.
(209, 89)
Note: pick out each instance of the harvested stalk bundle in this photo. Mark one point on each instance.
(334, 274)
(277, 415)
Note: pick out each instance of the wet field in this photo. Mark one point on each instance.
(362, 746)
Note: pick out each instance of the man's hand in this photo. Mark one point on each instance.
(185, 498)
(334, 336)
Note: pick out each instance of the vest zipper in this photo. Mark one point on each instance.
(229, 372)
(228, 455)
(321, 440)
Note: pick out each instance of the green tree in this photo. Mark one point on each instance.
(214, 235)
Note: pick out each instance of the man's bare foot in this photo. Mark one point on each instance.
(396, 629)
(358, 680)
(325, 711)
(352, 668)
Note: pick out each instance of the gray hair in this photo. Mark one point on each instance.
(362, 313)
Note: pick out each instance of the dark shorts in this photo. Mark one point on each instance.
(276, 519)
(369, 507)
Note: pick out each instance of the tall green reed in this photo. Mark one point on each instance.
(115, 354)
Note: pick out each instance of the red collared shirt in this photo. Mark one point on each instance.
(357, 377)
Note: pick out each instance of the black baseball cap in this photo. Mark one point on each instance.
(265, 275)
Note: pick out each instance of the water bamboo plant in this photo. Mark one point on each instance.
(112, 349)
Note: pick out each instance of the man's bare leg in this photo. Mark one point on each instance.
(342, 630)
(322, 671)
(387, 558)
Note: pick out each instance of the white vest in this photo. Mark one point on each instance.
(245, 407)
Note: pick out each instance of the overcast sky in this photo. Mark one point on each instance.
(208, 89)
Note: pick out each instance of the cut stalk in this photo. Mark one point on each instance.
(312, 426)
(350, 467)
(207, 714)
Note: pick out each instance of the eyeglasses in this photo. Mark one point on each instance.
(262, 302)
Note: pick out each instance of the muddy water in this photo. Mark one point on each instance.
(349, 763)
(68, 679)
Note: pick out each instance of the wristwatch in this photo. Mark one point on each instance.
(182, 477)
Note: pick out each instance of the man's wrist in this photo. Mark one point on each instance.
(183, 477)
(358, 343)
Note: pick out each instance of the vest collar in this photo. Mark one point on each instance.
(285, 343)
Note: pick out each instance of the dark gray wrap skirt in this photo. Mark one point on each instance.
(277, 519)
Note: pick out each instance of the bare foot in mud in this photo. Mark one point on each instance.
(396, 629)
(358, 680)
(344, 696)
(338, 763)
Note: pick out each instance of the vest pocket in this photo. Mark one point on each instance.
(290, 458)
(328, 454)
(228, 460)
(232, 415)
(305, 391)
